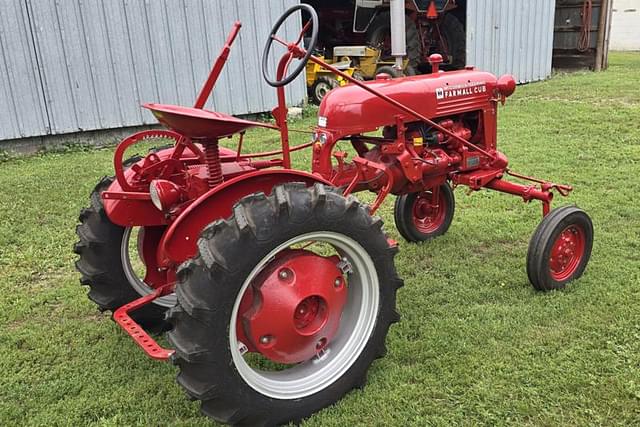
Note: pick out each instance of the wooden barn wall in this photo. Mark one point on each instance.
(75, 65)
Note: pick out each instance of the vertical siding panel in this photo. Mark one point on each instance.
(75, 65)
(176, 28)
(22, 110)
(196, 39)
(245, 48)
(56, 66)
(105, 91)
(123, 67)
(215, 32)
(160, 46)
(521, 43)
(139, 36)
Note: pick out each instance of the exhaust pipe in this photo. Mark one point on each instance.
(398, 32)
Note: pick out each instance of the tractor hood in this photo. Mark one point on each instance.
(352, 110)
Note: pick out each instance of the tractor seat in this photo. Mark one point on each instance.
(201, 124)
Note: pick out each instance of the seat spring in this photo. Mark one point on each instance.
(214, 166)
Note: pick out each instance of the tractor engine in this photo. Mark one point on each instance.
(408, 155)
(427, 155)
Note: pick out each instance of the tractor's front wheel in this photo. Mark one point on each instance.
(425, 215)
(285, 307)
(113, 265)
(560, 248)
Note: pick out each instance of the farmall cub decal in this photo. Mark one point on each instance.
(461, 90)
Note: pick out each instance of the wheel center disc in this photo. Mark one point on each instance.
(427, 215)
(310, 314)
(567, 252)
(297, 304)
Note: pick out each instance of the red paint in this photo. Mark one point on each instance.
(179, 242)
(196, 123)
(432, 11)
(299, 299)
(135, 331)
(567, 252)
(429, 211)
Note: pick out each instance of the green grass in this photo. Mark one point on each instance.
(476, 344)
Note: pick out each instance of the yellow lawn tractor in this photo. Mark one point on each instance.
(359, 62)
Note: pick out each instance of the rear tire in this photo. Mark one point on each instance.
(101, 265)
(560, 248)
(454, 35)
(379, 33)
(388, 69)
(232, 253)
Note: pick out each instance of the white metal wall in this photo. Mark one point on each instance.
(625, 25)
(511, 36)
(74, 65)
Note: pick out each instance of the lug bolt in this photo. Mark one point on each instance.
(284, 274)
(338, 282)
(265, 339)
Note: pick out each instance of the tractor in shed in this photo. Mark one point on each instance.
(431, 26)
(277, 286)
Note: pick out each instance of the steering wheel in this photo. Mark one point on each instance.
(294, 50)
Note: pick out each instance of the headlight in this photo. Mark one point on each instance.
(164, 194)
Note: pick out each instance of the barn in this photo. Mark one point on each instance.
(74, 66)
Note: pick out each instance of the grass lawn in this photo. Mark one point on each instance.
(476, 344)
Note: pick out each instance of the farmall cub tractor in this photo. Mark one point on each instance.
(277, 286)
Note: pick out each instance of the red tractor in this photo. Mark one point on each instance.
(277, 286)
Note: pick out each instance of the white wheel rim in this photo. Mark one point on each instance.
(134, 280)
(322, 89)
(356, 326)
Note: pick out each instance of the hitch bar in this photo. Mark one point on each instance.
(135, 331)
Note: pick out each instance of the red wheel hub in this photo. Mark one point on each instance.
(429, 211)
(567, 252)
(296, 306)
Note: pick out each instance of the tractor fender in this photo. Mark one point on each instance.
(179, 243)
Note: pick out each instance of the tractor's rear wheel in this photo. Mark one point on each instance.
(379, 37)
(285, 307)
(108, 264)
(453, 35)
(391, 71)
(419, 217)
(560, 248)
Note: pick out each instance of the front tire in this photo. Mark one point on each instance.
(560, 248)
(418, 219)
(218, 368)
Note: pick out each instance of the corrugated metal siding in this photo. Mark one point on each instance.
(98, 60)
(511, 36)
(22, 106)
